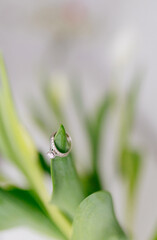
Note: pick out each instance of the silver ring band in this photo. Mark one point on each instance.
(54, 152)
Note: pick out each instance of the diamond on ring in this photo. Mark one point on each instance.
(50, 154)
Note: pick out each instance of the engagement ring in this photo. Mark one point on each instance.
(54, 152)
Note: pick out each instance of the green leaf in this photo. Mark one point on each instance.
(15, 142)
(3, 180)
(98, 123)
(38, 117)
(76, 93)
(129, 159)
(127, 155)
(93, 127)
(90, 183)
(128, 114)
(19, 208)
(95, 219)
(67, 190)
(154, 236)
(131, 168)
(43, 163)
(17, 146)
(53, 99)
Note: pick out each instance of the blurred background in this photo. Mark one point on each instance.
(97, 47)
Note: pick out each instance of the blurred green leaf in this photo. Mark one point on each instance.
(126, 127)
(76, 93)
(67, 191)
(18, 147)
(90, 183)
(97, 126)
(19, 208)
(155, 236)
(38, 117)
(43, 163)
(129, 113)
(130, 160)
(3, 180)
(52, 96)
(94, 127)
(127, 156)
(95, 219)
(131, 168)
(15, 142)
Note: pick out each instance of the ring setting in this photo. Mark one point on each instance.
(54, 152)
